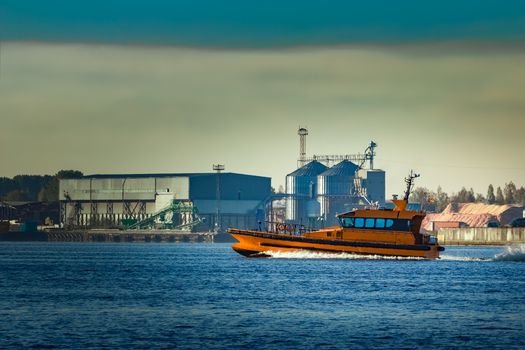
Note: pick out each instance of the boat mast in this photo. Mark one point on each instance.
(410, 182)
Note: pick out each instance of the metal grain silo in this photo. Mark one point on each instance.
(335, 189)
(301, 186)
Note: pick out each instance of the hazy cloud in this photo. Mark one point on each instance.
(456, 115)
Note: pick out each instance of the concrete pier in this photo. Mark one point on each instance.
(59, 235)
(481, 236)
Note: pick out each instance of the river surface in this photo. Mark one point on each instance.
(200, 296)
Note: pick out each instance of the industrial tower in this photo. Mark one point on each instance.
(324, 185)
(302, 132)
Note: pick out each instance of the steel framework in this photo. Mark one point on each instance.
(178, 215)
(358, 158)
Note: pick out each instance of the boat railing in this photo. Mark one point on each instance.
(284, 228)
(429, 239)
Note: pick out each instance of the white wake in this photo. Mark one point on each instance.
(304, 254)
(512, 253)
(462, 258)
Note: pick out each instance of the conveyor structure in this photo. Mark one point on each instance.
(178, 215)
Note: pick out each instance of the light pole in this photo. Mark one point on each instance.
(67, 200)
(218, 168)
(123, 205)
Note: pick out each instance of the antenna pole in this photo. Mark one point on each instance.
(410, 182)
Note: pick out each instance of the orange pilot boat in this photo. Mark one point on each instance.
(385, 232)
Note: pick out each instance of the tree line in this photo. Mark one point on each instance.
(509, 194)
(43, 188)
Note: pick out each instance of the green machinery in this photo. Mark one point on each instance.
(178, 215)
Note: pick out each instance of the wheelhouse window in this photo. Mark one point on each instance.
(377, 223)
(347, 222)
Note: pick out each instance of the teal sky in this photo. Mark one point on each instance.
(439, 87)
(269, 23)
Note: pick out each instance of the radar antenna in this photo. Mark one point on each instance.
(410, 182)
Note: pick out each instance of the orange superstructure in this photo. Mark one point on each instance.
(389, 232)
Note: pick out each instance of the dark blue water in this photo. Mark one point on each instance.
(206, 296)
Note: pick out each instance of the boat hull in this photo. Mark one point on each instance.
(261, 244)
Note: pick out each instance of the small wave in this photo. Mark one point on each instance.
(462, 258)
(304, 254)
(512, 253)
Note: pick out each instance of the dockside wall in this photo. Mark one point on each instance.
(481, 236)
(109, 236)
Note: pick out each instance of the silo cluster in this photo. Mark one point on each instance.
(335, 190)
(301, 187)
(316, 192)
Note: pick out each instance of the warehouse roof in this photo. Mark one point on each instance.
(475, 214)
(480, 208)
(138, 176)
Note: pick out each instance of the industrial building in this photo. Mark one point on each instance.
(325, 185)
(186, 201)
(25, 211)
(321, 187)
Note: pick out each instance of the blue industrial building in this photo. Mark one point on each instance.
(110, 200)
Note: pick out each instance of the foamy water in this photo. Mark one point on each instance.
(509, 253)
(512, 253)
(321, 255)
(462, 258)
